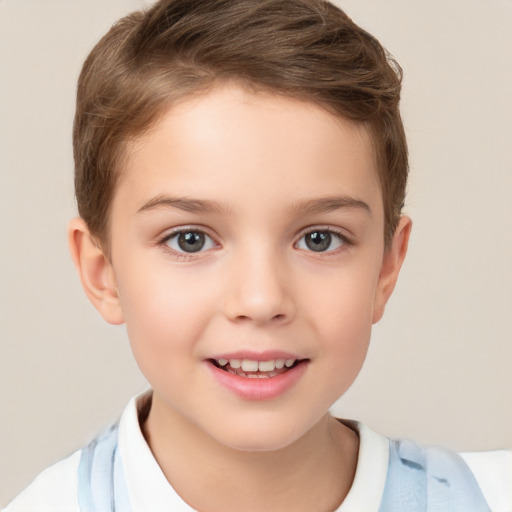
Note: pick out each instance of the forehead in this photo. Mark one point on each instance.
(233, 145)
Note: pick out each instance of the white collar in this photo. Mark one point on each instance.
(367, 489)
(147, 486)
(150, 490)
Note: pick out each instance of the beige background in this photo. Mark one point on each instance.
(440, 366)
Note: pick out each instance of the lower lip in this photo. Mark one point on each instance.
(259, 389)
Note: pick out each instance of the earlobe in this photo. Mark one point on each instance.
(95, 271)
(391, 264)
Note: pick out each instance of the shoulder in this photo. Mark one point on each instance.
(448, 480)
(493, 471)
(62, 486)
(54, 490)
(403, 476)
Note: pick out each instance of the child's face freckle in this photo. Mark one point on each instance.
(248, 223)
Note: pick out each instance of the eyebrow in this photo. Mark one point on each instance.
(329, 204)
(307, 207)
(182, 203)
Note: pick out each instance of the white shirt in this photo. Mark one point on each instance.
(55, 489)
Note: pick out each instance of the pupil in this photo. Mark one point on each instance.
(318, 240)
(191, 241)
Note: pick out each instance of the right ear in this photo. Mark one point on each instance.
(95, 271)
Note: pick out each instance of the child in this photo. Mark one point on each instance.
(240, 176)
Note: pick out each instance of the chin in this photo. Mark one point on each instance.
(259, 436)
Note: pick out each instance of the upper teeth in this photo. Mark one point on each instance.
(249, 365)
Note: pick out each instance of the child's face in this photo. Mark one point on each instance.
(249, 226)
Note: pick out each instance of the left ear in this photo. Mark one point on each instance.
(95, 271)
(391, 263)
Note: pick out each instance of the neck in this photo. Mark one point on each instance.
(315, 472)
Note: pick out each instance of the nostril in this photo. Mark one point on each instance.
(245, 306)
(242, 318)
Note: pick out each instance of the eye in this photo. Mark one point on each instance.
(321, 240)
(189, 241)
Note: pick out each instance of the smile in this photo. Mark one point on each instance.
(264, 378)
(253, 369)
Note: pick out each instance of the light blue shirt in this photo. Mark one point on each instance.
(118, 471)
(418, 479)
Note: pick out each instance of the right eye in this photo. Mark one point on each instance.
(189, 241)
(322, 240)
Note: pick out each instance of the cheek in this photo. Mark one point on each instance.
(342, 318)
(165, 314)
(346, 340)
(342, 301)
(346, 336)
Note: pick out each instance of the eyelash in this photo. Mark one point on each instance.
(183, 255)
(345, 241)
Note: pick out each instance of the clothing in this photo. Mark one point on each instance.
(385, 469)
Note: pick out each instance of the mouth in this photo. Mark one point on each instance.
(258, 377)
(252, 369)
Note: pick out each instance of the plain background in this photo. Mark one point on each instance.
(440, 364)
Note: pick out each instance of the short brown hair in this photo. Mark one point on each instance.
(307, 49)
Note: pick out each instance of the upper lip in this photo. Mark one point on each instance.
(267, 355)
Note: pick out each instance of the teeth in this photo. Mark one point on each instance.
(249, 365)
(266, 366)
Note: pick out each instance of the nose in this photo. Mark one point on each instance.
(259, 289)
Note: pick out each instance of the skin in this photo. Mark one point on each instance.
(256, 173)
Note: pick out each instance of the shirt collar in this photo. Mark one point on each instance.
(147, 486)
(149, 489)
(367, 489)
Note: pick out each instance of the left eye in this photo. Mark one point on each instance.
(190, 241)
(320, 241)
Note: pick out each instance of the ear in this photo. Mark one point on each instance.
(391, 263)
(95, 271)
